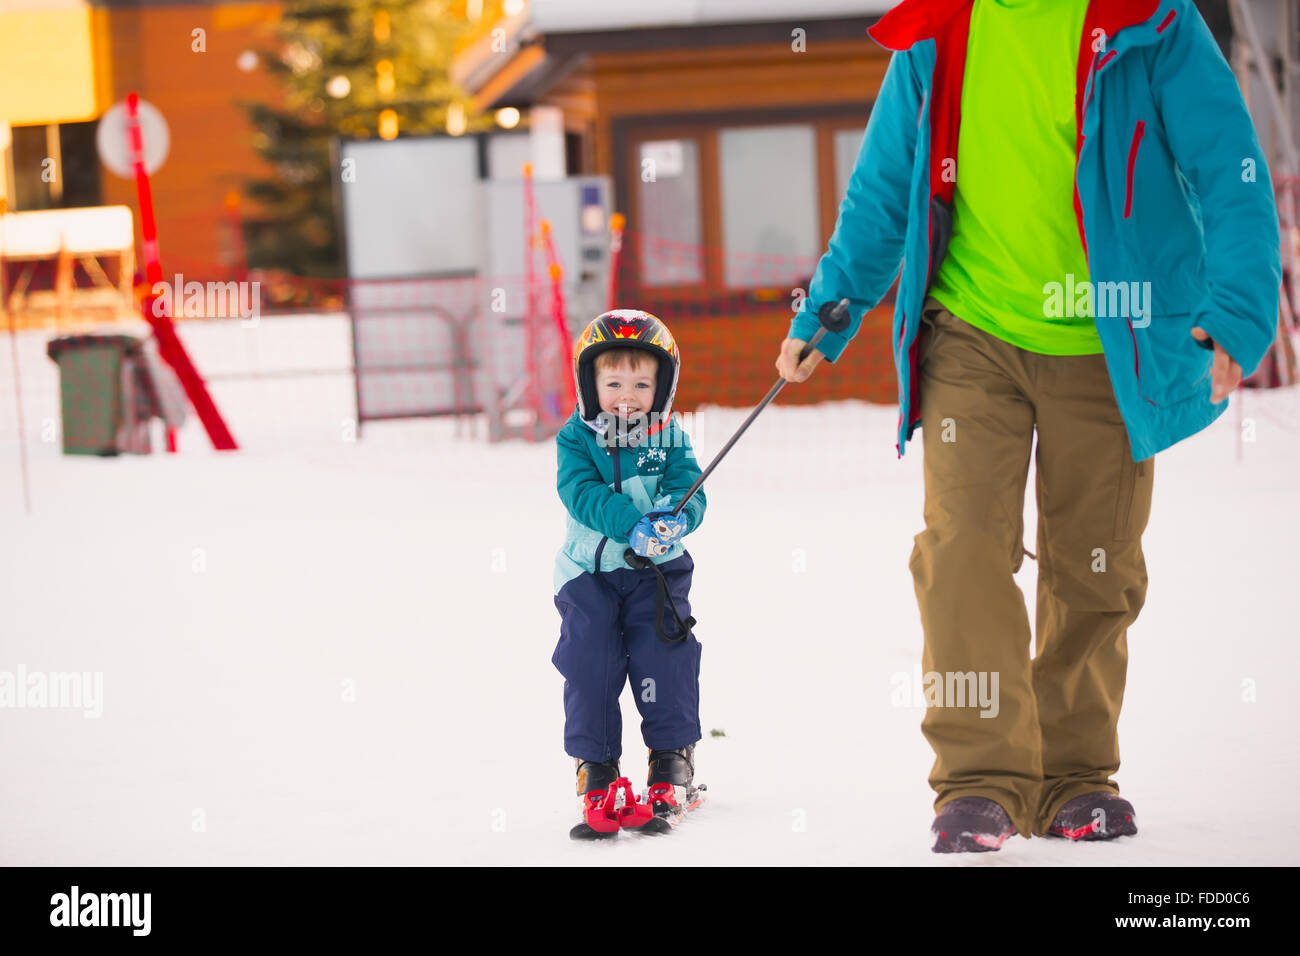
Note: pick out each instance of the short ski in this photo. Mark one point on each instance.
(608, 812)
(584, 831)
(604, 814)
(670, 805)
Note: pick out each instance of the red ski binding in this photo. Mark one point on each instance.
(598, 817)
(633, 813)
(604, 818)
(662, 793)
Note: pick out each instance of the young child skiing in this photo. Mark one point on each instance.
(624, 464)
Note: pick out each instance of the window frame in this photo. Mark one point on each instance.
(628, 137)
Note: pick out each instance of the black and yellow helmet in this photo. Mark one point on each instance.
(620, 329)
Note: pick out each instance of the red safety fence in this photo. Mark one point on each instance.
(729, 313)
(470, 347)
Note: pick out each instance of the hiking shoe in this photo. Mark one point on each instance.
(971, 825)
(1095, 816)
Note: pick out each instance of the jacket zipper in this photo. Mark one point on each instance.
(905, 361)
(1132, 162)
(1138, 131)
(618, 488)
(1128, 191)
(1083, 116)
(929, 276)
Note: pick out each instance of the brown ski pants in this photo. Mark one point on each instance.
(1027, 733)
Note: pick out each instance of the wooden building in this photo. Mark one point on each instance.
(729, 143)
(68, 61)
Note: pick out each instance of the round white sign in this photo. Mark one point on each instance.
(114, 145)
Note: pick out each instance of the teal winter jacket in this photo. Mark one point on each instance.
(606, 490)
(1171, 189)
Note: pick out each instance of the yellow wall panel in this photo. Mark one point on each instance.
(48, 70)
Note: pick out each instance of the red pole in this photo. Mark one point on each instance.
(530, 335)
(239, 254)
(18, 388)
(557, 311)
(616, 223)
(169, 345)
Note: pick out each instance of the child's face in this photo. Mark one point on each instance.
(627, 391)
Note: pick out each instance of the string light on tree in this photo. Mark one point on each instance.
(362, 69)
(300, 59)
(508, 117)
(384, 77)
(456, 122)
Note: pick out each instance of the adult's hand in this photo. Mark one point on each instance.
(788, 365)
(1225, 374)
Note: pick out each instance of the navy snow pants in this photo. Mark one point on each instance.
(607, 634)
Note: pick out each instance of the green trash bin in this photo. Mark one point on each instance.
(90, 389)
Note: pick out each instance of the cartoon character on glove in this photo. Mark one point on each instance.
(656, 533)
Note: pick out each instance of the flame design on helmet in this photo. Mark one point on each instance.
(622, 328)
(631, 324)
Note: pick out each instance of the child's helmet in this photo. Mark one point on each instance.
(625, 328)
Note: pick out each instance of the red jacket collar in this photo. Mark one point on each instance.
(915, 20)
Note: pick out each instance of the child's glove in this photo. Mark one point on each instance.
(656, 533)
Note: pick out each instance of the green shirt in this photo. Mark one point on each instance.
(1014, 228)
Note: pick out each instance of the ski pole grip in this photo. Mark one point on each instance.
(812, 344)
(834, 317)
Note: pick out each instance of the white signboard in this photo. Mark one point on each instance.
(112, 139)
(665, 155)
(89, 230)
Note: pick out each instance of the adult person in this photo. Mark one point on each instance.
(1026, 162)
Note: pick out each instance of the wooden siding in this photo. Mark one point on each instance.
(211, 141)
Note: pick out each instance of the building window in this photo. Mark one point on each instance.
(81, 166)
(739, 206)
(668, 200)
(768, 181)
(56, 166)
(848, 143)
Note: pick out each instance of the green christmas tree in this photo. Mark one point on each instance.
(355, 69)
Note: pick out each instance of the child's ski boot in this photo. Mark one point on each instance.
(595, 782)
(671, 792)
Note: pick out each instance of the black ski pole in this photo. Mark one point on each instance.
(834, 317)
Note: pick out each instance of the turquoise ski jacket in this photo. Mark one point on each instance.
(606, 490)
(1171, 188)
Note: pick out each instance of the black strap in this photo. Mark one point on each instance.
(683, 629)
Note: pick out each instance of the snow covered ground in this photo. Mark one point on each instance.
(319, 651)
